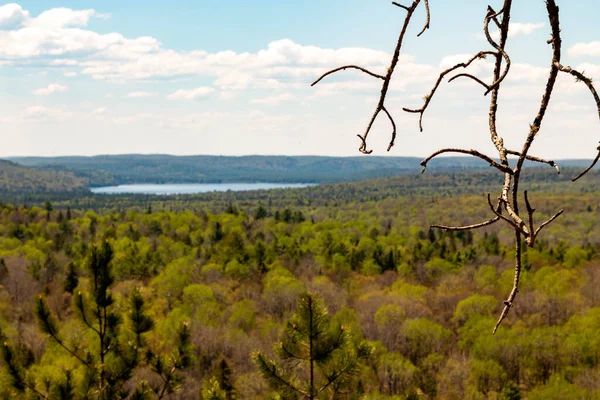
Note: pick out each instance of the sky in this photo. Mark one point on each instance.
(233, 77)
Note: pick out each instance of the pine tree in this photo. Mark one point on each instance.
(261, 212)
(225, 380)
(170, 368)
(71, 280)
(3, 269)
(315, 348)
(110, 363)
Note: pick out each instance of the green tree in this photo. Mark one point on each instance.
(3, 269)
(71, 280)
(318, 358)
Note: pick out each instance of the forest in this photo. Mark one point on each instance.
(155, 168)
(213, 296)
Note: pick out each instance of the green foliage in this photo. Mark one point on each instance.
(316, 346)
(425, 300)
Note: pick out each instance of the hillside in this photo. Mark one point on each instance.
(123, 169)
(16, 178)
(134, 168)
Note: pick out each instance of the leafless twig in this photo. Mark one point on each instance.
(387, 78)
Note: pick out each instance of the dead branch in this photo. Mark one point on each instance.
(508, 303)
(520, 227)
(476, 79)
(535, 159)
(474, 153)
(499, 47)
(366, 71)
(421, 111)
(468, 227)
(507, 208)
(580, 77)
(387, 78)
(588, 169)
(428, 18)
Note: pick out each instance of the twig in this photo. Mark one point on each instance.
(588, 169)
(580, 77)
(474, 153)
(504, 29)
(401, 6)
(508, 303)
(366, 71)
(535, 159)
(468, 227)
(542, 226)
(518, 227)
(428, 18)
(428, 97)
(476, 79)
(386, 79)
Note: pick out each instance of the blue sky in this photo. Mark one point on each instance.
(233, 77)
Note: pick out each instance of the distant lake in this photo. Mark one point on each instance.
(193, 188)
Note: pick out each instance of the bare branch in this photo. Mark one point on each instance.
(401, 6)
(474, 153)
(542, 226)
(366, 71)
(588, 169)
(393, 127)
(386, 79)
(515, 225)
(530, 211)
(468, 227)
(535, 159)
(428, 18)
(476, 79)
(421, 111)
(580, 77)
(508, 303)
(499, 47)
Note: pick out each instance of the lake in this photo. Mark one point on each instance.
(193, 188)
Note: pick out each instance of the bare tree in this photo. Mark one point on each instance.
(506, 206)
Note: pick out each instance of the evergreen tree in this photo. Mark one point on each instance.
(261, 212)
(3, 270)
(225, 380)
(71, 280)
(318, 358)
(109, 361)
(170, 368)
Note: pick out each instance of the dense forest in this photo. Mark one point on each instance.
(128, 169)
(213, 296)
(17, 180)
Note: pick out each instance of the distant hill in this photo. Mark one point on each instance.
(16, 178)
(126, 169)
(133, 168)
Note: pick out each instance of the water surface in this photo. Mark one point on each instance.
(192, 188)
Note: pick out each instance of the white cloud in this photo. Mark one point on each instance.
(52, 88)
(61, 18)
(192, 94)
(585, 49)
(98, 111)
(137, 95)
(70, 74)
(273, 100)
(566, 106)
(227, 95)
(45, 113)
(516, 29)
(12, 16)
